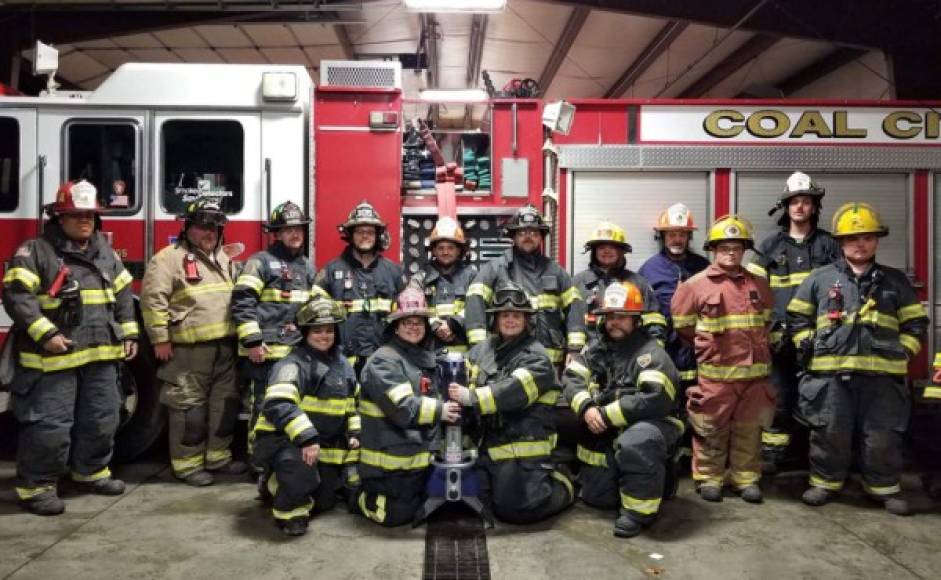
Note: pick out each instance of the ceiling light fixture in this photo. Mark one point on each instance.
(454, 95)
(466, 6)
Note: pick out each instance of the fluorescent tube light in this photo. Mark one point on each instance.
(454, 95)
(467, 6)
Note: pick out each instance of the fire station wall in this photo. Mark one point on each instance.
(632, 200)
(756, 192)
(935, 313)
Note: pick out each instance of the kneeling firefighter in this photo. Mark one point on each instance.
(400, 411)
(308, 427)
(513, 389)
(623, 387)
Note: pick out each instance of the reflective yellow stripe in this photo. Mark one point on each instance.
(684, 320)
(817, 481)
(488, 405)
(426, 413)
(370, 409)
(200, 290)
(570, 295)
(456, 348)
(882, 489)
(799, 337)
(688, 375)
(247, 329)
(297, 425)
(576, 339)
(103, 473)
(122, 280)
(130, 329)
(547, 301)
(775, 439)
(97, 297)
(28, 279)
(911, 343)
(380, 305)
(333, 407)
(614, 414)
(352, 456)
(48, 364)
(476, 335)
(732, 321)
(937, 360)
(555, 355)
(399, 392)
(740, 479)
(741, 372)
(201, 332)
(275, 351)
(282, 391)
(932, 393)
(549, 398)
(757, 270)
(873, 317)
(580, 398)
(520, 450)
(27, 493)
(579, 369)
(660, 378)
(354, 423)
(482, 290)
(564, 480)
(861, 363)
(216, 458)
(379, 515)
(653, 318)
(47, 302)
(183, 466)
(39, 328)
(388, 462)
(155, 318)
(798, 306)
(529, 383)
(911, 312)
(250, 282)
(262, 424)
(332, 456)
(294, 296)
(589, 457)
(680, 425)
(788, 281)
(447, 309)
(642, 506)
(301, 512)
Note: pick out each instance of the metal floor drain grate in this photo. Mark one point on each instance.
(455, 547)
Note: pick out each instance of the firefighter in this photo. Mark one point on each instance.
(725, 311)
(786, 258)
(400, 412)
(185, 302)
(514, 391)
(308, 424)
(608, 245)
(445, 281)
(272, 286)
(559, 323)
(856, 324)
(363, 281)
(623, 387)
(664, 271)
(73, 323)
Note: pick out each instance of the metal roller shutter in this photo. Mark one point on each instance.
(633, 200)
(755, 193)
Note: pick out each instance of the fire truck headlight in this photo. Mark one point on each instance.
(279, 86)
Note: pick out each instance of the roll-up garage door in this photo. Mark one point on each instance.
(935, 313)
(756, 193)
(633, 200)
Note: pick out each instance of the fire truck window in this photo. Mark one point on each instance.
(105, 154)
(203, 159)
(9, 164)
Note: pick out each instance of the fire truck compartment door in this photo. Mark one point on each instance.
(634, 201)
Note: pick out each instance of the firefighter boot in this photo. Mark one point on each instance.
(106, 486)
(626, 526)
(47, 503)
(231, 468)
(751, 494)
(200, 478)
(295, 526)
(894, 504)
(816, 496)
(711, 493)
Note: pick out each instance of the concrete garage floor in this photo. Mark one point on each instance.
(161, 529)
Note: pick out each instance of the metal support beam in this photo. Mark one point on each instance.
(660, 43)
(732, 63)
(474, 56)
(429, 41)
(566, 40)
(819, 69)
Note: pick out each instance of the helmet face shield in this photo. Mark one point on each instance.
(208, 217)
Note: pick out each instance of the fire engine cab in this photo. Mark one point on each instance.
(153, 136)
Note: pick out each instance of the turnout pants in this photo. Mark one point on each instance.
(776, 438)
(199, 390)
(628, 470)
(392, 499)
(297, 489)
(67, 421)
(727, 419)
(256, 380)
(525, 491)
(874, 408)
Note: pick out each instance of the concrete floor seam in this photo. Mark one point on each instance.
(876, 549)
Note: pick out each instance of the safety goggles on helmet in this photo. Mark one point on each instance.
(318, 311)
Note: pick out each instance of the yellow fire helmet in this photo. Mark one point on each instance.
(730, 227)
(855, 218)
(608, 233)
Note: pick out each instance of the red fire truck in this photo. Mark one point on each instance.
(153, 136)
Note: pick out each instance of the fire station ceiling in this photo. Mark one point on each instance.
(577, 48)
